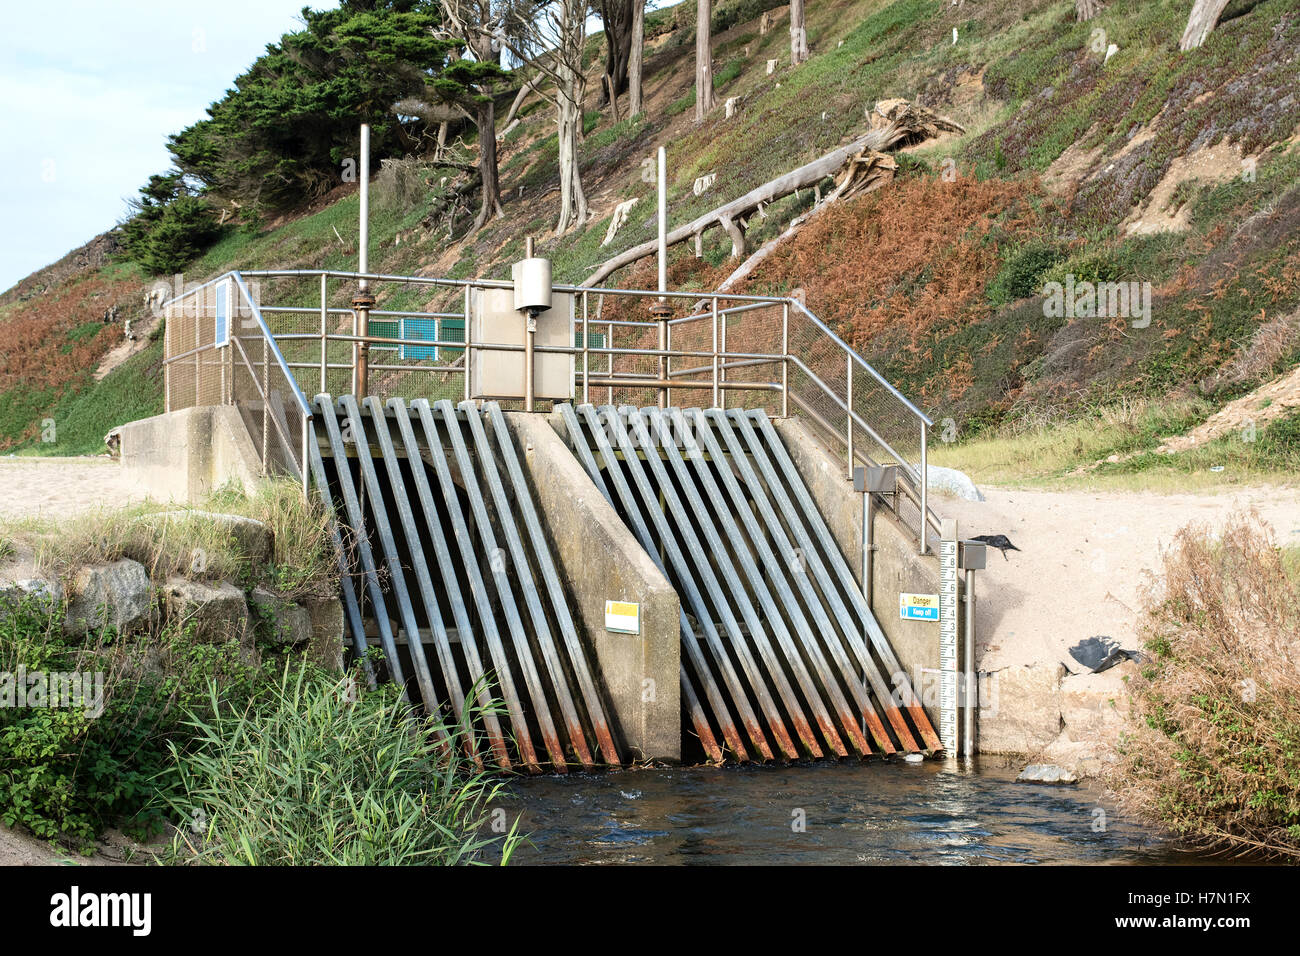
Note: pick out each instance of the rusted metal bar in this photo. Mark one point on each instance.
(551, 580)
(675, 541)
(396, 573)
(468, 560)
(736, 598)
(501, 579)
(487, 469)
(794, 567)
(632, 509)
(783, 606)
(397, 487)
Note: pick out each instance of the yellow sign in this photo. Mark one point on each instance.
(622, 617)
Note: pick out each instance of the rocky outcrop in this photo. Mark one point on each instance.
(326, 646)
(210, 613)
(116, 595)
(279, 621)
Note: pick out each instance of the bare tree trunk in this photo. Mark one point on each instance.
(705, 99)
(1085, 10)
(571, 84)
(573, 201)
(798, 35)
(635, 56)
(1205, 16)
(616, 15)
(487, 165)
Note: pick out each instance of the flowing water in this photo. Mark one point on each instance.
(876, 812)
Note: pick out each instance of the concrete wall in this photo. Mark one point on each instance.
(184, 455)
(601, 561)
(896, 569)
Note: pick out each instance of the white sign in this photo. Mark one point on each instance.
(623, 617)
(918, 607)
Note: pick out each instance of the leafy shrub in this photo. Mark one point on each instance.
(1021, 274)
(1215, 755)
(67, 772)
(321, 776)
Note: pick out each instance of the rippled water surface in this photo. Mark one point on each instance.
(876, 812)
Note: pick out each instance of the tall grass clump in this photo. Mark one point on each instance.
(320, 775)
(1215, 752)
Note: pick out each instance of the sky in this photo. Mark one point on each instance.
(89, 91)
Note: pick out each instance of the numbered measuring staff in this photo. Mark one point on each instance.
(948, 637)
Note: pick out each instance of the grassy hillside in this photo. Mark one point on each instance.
(1153, 165)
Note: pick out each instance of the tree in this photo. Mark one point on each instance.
(798, 34)
(617, 17)
(1204, 17)
(1085, 10)
(635, 58)
(283, 133)
(470, 81)
(169, 224)
(549, 36)
(705, 99)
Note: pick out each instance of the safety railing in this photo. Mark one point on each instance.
(630, 346)
(218, 350)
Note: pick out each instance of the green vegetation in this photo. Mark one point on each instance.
(1215, 756)
(163, 733)
(68, 772)
(1075, 452)
(83, 416)
(319, 776)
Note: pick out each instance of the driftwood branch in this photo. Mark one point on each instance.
(897, 124)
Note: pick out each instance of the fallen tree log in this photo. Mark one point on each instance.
(897, 123)
(866, 172)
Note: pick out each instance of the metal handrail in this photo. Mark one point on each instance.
(719, 359)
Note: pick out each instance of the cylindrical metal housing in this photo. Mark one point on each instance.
(532, 278)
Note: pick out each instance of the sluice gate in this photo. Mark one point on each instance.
(456, 577)
(781, 655)
(589, 585)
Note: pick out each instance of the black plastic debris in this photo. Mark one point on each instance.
(1101, 653)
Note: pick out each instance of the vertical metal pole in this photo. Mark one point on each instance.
(364, 254)
(925, 487)
(324, 333)
(848, 414)
(363, 300)
(663, 221)
(356, 350)
(716, 359)
(266, 404)
(167, 362)
(972, 679)
(469, 344)
(304, 468)
(609, 344)
(785, 361)
(722, 368)
(663, 271)
(668, 362)
(530, 336)
(198, 342)
(586, 354)
(868, 544)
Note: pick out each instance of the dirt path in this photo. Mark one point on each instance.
(63, 487)
(1085, 558)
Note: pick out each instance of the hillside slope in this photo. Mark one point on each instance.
(1152, 166)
